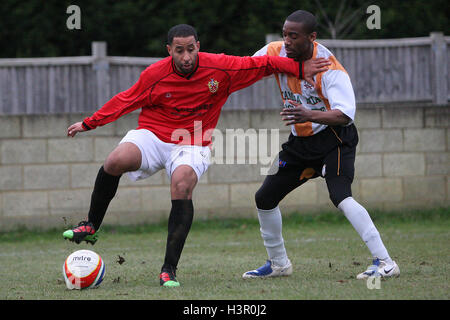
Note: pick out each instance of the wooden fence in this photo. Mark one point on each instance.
(382, 71)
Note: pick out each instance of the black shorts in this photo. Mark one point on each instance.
(329, 153)
(334, 148)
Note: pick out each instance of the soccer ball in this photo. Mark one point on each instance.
(83, 269)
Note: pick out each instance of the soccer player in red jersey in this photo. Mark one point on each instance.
(180, 98)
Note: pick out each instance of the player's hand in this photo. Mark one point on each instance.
(74, 129)
(299, 114)
(312, 67)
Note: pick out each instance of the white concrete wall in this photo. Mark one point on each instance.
(46, 179)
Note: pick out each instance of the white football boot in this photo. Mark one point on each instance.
(380, 268)
(269, 270)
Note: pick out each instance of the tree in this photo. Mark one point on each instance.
(139, 27)
(348, 14)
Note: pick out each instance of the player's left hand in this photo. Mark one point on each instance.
(298, 114)
(312, 67)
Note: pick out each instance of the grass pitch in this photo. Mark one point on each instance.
(325, 250)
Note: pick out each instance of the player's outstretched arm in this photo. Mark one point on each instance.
(75, 128)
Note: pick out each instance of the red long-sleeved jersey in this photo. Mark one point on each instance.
(180, 107)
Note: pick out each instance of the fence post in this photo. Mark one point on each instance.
(100, 66)
(439, 67)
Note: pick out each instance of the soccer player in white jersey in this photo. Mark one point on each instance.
(322, 143)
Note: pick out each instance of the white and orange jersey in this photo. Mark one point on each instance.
(334, 88)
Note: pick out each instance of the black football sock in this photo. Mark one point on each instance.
(180, 221)
(104, 190)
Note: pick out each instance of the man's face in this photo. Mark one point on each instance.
(184, 52)
(296, 41)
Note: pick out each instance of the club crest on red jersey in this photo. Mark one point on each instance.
(213, 85)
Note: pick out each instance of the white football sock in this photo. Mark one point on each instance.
(271, 227)
(361, 221)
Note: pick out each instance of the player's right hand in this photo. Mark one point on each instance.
(312, 67)
(75, 128)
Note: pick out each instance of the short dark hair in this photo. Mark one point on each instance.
(181, 30)
(304, 17)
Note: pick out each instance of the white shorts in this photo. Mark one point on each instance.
(157, 155)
